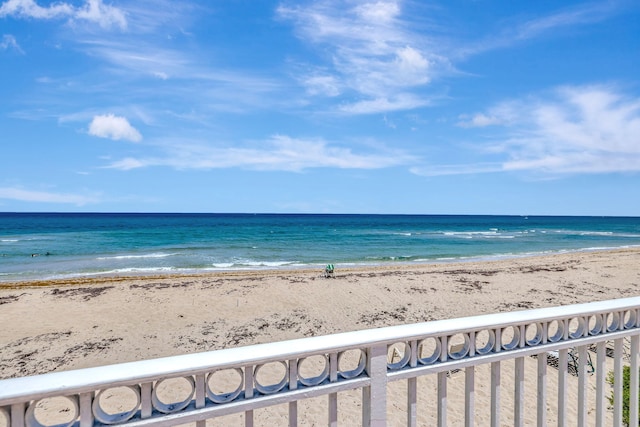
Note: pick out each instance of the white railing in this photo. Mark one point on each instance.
(370, 361)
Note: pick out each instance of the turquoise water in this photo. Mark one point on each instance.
(108, 244)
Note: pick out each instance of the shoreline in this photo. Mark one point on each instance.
(347, 267)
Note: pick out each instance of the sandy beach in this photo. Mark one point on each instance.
(71, 324)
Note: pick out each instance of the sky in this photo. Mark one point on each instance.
(328, 106)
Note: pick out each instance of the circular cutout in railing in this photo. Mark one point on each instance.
(351, 363)
(224, 385)
(398, 355)
(555, 330)
(313, 370)
(533, 334)
(429, 350)
(116, 405)
(52, 411)
(577, 327)
(173, 394)
(458, 346)
(629, 319)
(485, 341)
(510, 337)
(595, 323)
(271, 377)
(613, 321)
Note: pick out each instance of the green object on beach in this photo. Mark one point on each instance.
(328, 270)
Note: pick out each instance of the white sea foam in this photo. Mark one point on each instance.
(152, 255)
(141, 270)
(249, 264)
(596, 233)
(223, 265)
(493, 234)
(267, 263)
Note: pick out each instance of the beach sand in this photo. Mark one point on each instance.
(78, 323)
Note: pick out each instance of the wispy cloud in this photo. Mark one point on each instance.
(9, 42)
(464, 169)
(402, 101)
(373, 54)
(30, 9)
(93, 11)
(575, 129)
(113, 127)
(279, 153)
(24, 195)
(518, 32)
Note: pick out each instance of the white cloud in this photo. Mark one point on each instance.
(577, 129)
(8, 41)
(380, 11)
(21, 194)
(517, 32)
(279, 153)
(402, 101)
(94, 11)
(104, 15)
(479, 120)
(412, 66)
(586, 13)
(30, 9)
(161, 75)
(469, 169)
(373, 54)
(129, 163)
(322, 85)
(113, 127)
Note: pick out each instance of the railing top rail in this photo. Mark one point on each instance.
(77, 381)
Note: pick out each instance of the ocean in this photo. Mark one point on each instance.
(42, 246)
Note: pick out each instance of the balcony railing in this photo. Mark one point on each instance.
(570, 348)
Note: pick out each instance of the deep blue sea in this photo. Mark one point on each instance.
(94, 244)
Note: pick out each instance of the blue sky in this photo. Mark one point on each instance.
(430, 107)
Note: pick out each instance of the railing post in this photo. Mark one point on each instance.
(293, 385)
(541, 414)
(518, 399)
(201, 396)
(617, 382)
(412, 388)
(442, 399)
(374, 396)
(495, 382)
(442, 384)
(633, 398)
(17, 415)
(600, 382)
(470, 385)
(4, 413)
(469, 391)
(582, 385)
(86, 411)
(333, 397)
(248, 394)
(146, 407)
(563, 358)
